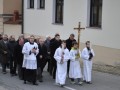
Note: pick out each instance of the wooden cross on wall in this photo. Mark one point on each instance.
(79, 29)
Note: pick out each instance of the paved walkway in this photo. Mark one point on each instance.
(101, 81)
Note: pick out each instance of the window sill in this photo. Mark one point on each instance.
(40, 8)
(58, 24)
(30, 8)
(99, 28)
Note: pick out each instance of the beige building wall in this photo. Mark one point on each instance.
(109, 33)
(1, 25)
(105, 55)
(10, 5)
(10, 29)
(105, 40)
(1, 19)
(1, 6)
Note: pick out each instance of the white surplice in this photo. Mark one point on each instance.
(61, 71)
(29, 61)
(75, 69)
(87, 64)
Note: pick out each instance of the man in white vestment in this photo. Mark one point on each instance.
(61, 56)
(87, 56)
(30, 50)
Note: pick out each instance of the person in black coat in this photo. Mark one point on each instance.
(47, 43)
(1, 37)
(69, 42)
(41, 59)
(19, 57)
(54, 44)
(4, 53)
(11, 45)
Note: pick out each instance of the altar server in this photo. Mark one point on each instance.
(61, 56)
(75, 69)
(87, 56)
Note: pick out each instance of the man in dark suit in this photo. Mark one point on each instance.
(54, 44)
(19, 57)
(69, 42)
(41, 58)
(11, 46)
(4, 53)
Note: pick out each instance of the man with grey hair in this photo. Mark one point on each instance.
(47, 43)
(4, 52)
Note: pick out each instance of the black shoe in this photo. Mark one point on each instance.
(61, 85)
(24, 82)
(89, 82)
(21, 78)
(15, 74)
(53, 77)
(50, 74)
(35, 84)
(84, 81)
(40, 80)
(12, 75)
(4, 72)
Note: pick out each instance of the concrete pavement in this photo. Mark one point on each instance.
(101, 81)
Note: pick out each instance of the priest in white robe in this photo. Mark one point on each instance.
(75, 69)
(61, 56)
(87, 56)
(30, 50)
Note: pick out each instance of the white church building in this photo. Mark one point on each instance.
(100, 18)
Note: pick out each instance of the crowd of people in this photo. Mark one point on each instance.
(27, 58)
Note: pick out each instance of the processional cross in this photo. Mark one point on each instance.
(79, 30)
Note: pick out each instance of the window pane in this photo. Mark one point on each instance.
(42, 3)
(59, 11)
(96, 13)
(31, 3)
(100, 16)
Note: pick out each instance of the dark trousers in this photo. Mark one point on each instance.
(30, 75)
(4, 65)
(54, 70)
(48, 68)
(13, 65)
(4, 62)
(43, 63)
(0, 58)
(39, 74)
(20, 72)
(53, 67)
(68, 66)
